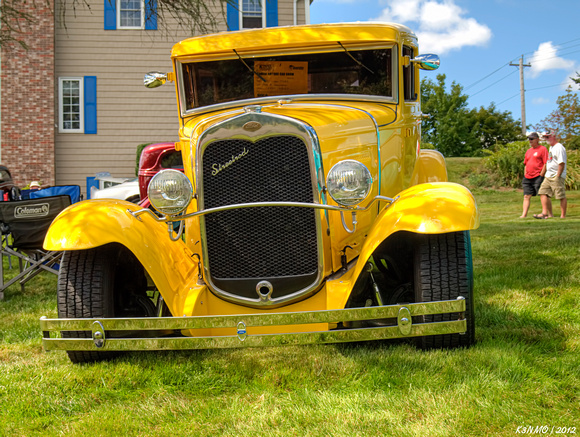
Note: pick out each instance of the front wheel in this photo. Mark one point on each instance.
(443, 270)
(106, 281)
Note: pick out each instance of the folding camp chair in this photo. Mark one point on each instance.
(23, 226)
(74, 191)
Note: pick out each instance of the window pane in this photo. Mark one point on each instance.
(130, 13)
(251, 14)
(252, 7)
(252, 22)
(71, 104)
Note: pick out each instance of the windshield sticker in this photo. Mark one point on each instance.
(280, 77)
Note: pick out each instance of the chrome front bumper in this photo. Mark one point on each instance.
(402, 329)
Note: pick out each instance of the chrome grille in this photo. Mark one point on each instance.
(273, 243)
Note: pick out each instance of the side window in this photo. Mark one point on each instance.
(247, 14)
(251, 14)
(71, 105)
(130, 14)
(77, 104)
(409, 75)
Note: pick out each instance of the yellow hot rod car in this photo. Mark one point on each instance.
(307, 211)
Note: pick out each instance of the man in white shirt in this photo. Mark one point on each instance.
(554, 184)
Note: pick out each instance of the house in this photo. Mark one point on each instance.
(74, 104)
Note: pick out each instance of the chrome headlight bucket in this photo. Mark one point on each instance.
(170, 192)
(349, 182)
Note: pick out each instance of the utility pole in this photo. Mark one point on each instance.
(521, 65)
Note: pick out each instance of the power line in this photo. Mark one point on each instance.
(531, 89)
(489, 86)
(552, 57)
(509, 98)
(556, 45)
(483, 78)
(542, 87)
(558, 49)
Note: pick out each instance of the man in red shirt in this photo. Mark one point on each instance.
(536, 157)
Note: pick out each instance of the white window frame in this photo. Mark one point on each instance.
(263, 4)
(118, 8)
(61, 128)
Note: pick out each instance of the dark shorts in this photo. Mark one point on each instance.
(532, 186)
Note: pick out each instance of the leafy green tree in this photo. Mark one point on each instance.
(491, 126)
(447, 127)
(565, 119)
(455, 130)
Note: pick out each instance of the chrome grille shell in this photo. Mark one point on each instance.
(257, 157)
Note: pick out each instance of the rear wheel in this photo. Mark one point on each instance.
(106, 281)
(443, 270)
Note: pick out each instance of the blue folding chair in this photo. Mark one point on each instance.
(73, 191)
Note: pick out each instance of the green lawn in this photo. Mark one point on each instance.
(524, 370)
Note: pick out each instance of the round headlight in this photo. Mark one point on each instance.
(349, 182)
(170, 192)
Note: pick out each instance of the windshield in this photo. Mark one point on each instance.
(367, 72)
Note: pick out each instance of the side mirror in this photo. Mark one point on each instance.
(154, 79)
(427, 62)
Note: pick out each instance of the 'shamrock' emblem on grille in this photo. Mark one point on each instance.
(216, 168)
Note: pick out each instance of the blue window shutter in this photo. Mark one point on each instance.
(151, 14)
(110, 15)
(90, 86)
(233, 15)
(272, 13)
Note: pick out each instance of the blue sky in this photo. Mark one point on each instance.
(478, 39)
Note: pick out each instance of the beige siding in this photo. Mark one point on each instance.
(286, 12)
(128, 114)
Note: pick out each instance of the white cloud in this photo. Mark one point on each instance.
(545, 58)
(440, 25)
(541, 101)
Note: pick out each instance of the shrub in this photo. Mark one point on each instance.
(573, 170)
(140, 148)
(507, 162)
(480, 180)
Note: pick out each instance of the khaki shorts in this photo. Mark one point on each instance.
(553, 187)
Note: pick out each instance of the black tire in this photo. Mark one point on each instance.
(443, 270)
(103, 282)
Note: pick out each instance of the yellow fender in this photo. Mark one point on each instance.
(430, 167)
(433, 208)
(94, 223)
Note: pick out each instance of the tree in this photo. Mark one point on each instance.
(447, 127)
(14, 16)
(456, 131)
(493, 127)
(565, 119)
(197, 16)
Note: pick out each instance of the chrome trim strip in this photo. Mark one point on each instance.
(294, 97)
(244, 321)
(139, 212)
